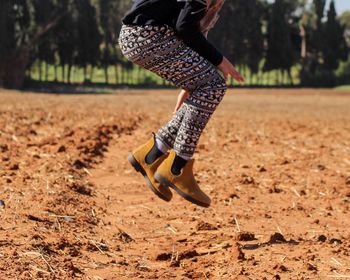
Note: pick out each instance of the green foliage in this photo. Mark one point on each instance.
(334, 45)
(343, 72)
(327, 47)
(344, 87)
(344, 20)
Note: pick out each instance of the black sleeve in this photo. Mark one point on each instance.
(187, 28)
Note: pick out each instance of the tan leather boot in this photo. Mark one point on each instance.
(184, 184)
(138, 160)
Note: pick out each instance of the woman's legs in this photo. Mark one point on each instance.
(183, 131)
(160, 51)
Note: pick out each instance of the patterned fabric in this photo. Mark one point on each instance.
(159, 50)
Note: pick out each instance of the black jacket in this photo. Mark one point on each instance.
(182, 15)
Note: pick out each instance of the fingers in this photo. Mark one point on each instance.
(237, 77)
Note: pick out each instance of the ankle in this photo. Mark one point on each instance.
(153, 155)
(161, 145)
(178, 164)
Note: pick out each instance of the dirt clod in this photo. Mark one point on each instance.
(124, 237)
(3, 148)
(280, 268)
(347, 181)
(236, 253)
(322, 238)
(311, 267)
(247, 180)
(164, 257)
(246, 236)
(61, 149)
(81, 188)
(261, 168)
(205, 226)
(14, 167)
(78, 164)
(335, 241)
(277, 238)
(189, 254)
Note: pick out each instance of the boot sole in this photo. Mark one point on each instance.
(141, 170)
(165, 182)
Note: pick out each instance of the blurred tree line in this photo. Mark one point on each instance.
(259, 36)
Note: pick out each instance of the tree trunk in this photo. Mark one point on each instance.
(139, 75)
(46, 72)
(116, 73)
(74, 73)
(290, 77)
(55, 68)
(63, 73)
(91, 73)
(85, 74)
(12, 70)
(250, 76)
(40, 71)
(106, 74)
(69, 73)
(29, 73)
(303, 42)
(120, 71)
(282, 77)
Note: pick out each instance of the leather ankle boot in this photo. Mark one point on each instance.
(184, 184)
(138, 160)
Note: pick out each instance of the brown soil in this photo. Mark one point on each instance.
(275, 163)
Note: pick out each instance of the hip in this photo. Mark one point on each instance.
(155, 41)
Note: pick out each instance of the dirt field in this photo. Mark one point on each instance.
(275, 163)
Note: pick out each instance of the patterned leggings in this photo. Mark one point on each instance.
(159, 50)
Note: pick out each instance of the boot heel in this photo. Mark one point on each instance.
(167, 183)
(136, 165)
(140, 169)
(162, 180)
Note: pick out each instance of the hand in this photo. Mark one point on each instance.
(227, 69)
(181, 98)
